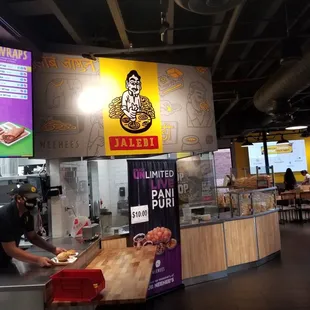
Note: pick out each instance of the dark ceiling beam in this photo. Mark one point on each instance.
(84, 49)
(51, 4)
(119, 21)
(232, 24)
(30, 8)
(16, 28)
(215, 30)
(170, 20)
(228, 109)
(72, 49)
(272, 48)
(5, 36)
(270, 11)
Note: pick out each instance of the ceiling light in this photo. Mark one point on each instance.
(283, 141)
(91, 100)
(246, 143)
(296, 127)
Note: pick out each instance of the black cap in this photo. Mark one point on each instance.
(25, 190)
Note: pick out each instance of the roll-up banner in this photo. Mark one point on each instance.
(154, 219)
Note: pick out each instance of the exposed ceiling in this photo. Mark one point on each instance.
(242, 46)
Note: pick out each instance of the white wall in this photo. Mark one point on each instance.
(112, 175)
(26, 161)
(62, 219)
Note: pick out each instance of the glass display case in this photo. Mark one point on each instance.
(249, 202)
(196, 188)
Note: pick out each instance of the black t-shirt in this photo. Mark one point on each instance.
(12, 227)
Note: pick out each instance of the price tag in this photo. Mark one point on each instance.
(139, 214)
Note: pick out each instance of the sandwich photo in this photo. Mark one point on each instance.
(11, 133)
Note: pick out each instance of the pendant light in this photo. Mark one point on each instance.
(283, 141)
(246, 143)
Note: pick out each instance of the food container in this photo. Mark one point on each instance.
(77, 285)
(89, 232)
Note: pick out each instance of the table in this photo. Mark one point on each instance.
(127, 274)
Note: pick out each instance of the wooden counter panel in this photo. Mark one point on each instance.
(268, 234)
(241, 246)
(119, 243)
(203, 250)
(127, 273)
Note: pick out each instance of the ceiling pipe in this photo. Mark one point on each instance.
(207, 7)
(287, 81)
(227, 35)
(272, 48)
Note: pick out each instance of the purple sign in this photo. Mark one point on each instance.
(154, 219)
(16, 119)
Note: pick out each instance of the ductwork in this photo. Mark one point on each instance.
(207, 7)
(272, 97)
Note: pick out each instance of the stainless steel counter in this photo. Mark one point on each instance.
(24, 287)
(35, 276)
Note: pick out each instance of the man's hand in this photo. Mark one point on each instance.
(59, 250)
(44, 262)
(132, 114)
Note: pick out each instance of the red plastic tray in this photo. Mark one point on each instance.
(77, 285)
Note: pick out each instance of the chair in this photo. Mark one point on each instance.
(289, 213)
(305, 197)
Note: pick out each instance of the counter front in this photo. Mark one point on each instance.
(215, 249)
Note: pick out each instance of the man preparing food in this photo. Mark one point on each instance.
(16, 220)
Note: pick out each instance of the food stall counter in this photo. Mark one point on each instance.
(213, 249)
(28, 286)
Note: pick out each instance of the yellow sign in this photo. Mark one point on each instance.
(278, 149)
(131, 108)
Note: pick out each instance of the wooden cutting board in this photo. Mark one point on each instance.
(127, 273)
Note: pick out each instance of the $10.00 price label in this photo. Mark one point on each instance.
(139, 214)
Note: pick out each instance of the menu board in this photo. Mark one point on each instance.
(16, 120)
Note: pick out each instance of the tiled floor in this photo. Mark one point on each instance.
(283, 283)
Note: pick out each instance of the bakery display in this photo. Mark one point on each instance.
(253, 182)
